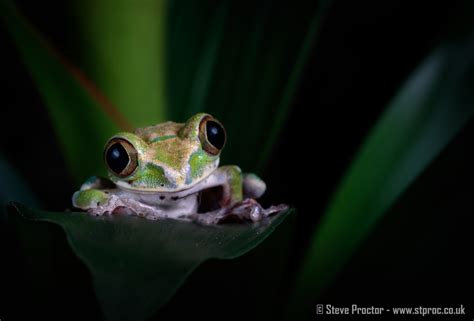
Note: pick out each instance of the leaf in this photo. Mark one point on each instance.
(242, 63)
(82, 117)
(12, 186)
(428, 112)
(240, 70)
(138, 264)
(123, 48)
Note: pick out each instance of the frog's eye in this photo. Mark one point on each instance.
(120, 157)
(212, 135)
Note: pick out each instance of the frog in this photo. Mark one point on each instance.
(171, 171)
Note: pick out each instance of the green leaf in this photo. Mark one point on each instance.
(138, 264)
(242, 63)
(13, 187)
(83, 118)
(428, 112)
(122, 44)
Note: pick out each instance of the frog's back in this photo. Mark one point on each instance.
(160, 131)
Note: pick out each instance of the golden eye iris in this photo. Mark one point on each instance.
(212, 135)
(120, 157)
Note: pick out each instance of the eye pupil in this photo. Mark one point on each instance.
(117, 158)
(215, 134)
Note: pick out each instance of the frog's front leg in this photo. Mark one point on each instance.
(238, 197)
(99, 196)
(92, 194)
(238, 186)
(231, 180)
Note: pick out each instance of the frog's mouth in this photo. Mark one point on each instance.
(209, 193)
(206, 183)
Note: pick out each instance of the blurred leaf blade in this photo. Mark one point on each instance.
(429, 110)
(259, 55)
(293, 81)
(83, 118)
(137, 264)
(193, 35)
(207, 60)
(124, 42)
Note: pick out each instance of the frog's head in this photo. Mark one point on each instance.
(167, 157)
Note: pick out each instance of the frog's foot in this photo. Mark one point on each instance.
(98, 203)
(118, 206)
(115, 205)
(247, 210)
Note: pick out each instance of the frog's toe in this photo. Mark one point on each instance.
(253, 186)
(89, 199)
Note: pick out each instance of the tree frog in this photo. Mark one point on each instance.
(170, 170)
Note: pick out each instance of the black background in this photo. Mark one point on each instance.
(420, 252)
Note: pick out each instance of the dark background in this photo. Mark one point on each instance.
(420, 252)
